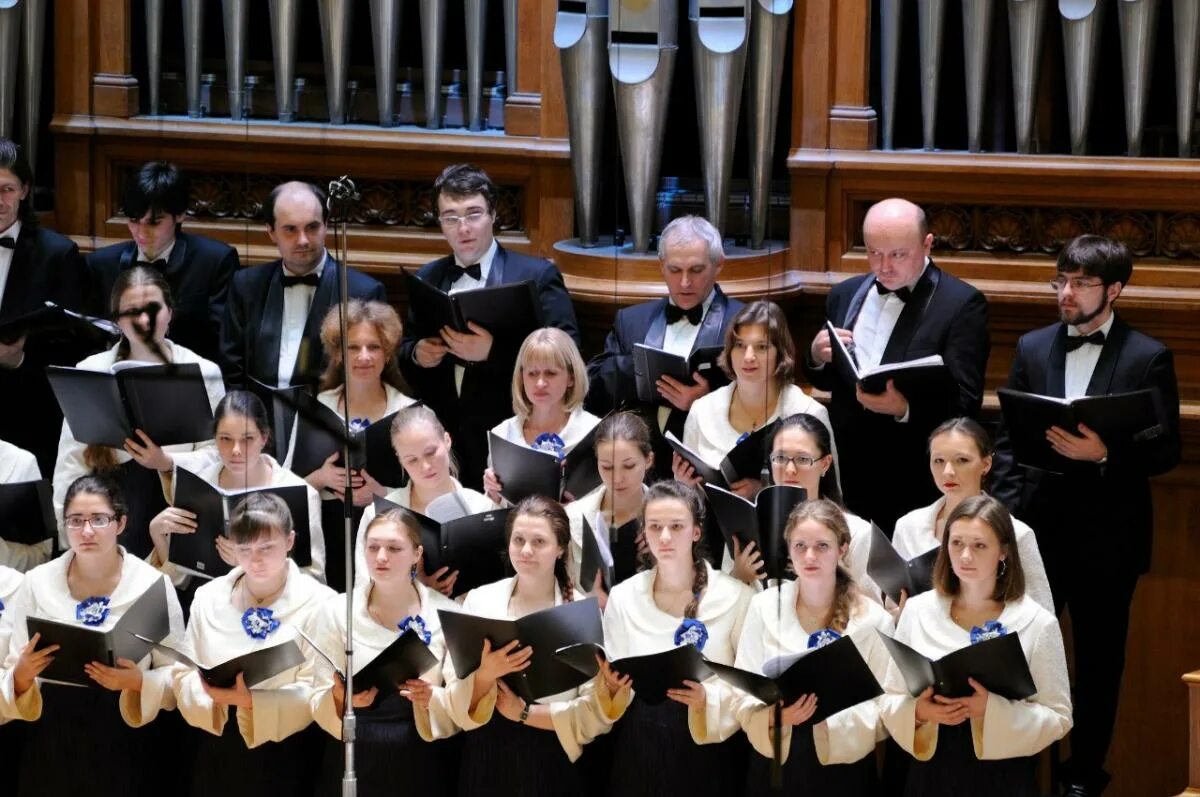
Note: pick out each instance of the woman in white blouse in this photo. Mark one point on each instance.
(548, 387)
(818, 608)
(680, 600)
(984, 740)
(141, 302)
(257, 741)
(624, 455)
(18, 465)
(760, 358)
(960, 457)
(374, 390)
(88, 741)
(237, 463)
(513, 747)
(423, 447)
(395, 729)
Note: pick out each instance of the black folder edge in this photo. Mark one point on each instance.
(263, 664)
(592, 561)
(703, 469)
(407, 652)
(920, 672)
(513, 464)
(582, 657)
(24, 496)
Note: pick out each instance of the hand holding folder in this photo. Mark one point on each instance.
(998, 664)
(256, 666)
(510, 310)
(761, 521)
(746, 460)
(893, 573)
(652, 675)
(924, 376)
(407, 658)
(651, 364)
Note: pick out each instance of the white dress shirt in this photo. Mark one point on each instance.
(679, 339)
(297, 300)
(1082, 362)
(466, 282)
(6, 255)
(876, 320)
(165, 254)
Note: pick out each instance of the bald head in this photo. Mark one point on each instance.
(897, 238)
(295, 214)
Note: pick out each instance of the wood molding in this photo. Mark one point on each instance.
(114, 95)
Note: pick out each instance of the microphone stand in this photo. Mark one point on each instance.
(341, 193)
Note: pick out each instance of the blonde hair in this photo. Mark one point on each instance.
(829, 515)
(386, 321)
(550, 345)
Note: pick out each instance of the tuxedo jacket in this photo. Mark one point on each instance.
(198, 271)
(613, 385)
(945, 316)
(251, 330)
(486, 397)
(46, 266)
(1108, 507)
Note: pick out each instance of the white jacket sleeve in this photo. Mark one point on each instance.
(1016, 728)
(29, 705)
(316, 537)
(1037, 584)
(25, 557)
(139, 708)
(584, 717)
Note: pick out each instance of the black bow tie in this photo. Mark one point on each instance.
(902, 294)
(475, 272)
(1075, 341)
(157, 265)
(311, 279)
(694, 316)
(8, 242)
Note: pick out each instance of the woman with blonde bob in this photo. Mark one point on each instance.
(982, 739)
(548, 388)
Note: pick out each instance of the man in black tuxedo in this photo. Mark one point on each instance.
(1094, 523)
(465, 376)
(198, 269)
(37, 265)
(694, 315)
(904, 309)
(273, 313)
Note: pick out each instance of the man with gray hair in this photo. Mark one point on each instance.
(694, 315)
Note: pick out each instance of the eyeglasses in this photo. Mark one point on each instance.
(781, 460)
(1076, 283)
(452, 220)
(96, 521)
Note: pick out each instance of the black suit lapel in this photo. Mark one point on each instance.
(1106, 367)
(16, 299)
(656, 333)
(910, 316)
(496, 272)
(855, 306)
(175, 263)
(327, 295)
(1056, 369)
(268, 337)
(710, 328)
(444, 274)
(128, 257)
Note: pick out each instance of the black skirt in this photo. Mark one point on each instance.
(954, 770)
(655, 756)
(81, 745)
(803, 772)
(389, 755)
(225, 766)
(507, 758)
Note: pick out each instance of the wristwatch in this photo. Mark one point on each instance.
(524, 713)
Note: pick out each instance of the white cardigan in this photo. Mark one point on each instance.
(46, 593)
(578, 715)
(1009, 728)
(327, 628)
(914, 536)
(69, 465)
(18, 465)
(842, 738)
(635, 626)
(215, 635)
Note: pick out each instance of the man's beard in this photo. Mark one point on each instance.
(1080, 319)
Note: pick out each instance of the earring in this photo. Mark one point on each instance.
(1003, 568)
(413, 574)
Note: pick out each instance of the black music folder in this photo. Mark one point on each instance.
(168, 402)
(146, 621)
(280, 403)
(652, 675)
(746, 460)
(510, 310)
(651, 364)
(525, 471)
(546, 632)
(922, 376)
(321, 432)
(892, 572)
(256, 666)
(408, 657)
(50, 319)
(998, 664)
(1119, 419)
(761, 521)
(474, 545)
(597, 556)
(197, 552)
(837, 674)
(27, 512)
(581, 473)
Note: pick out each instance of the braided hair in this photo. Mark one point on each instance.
(670, 489)
(551, 511)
